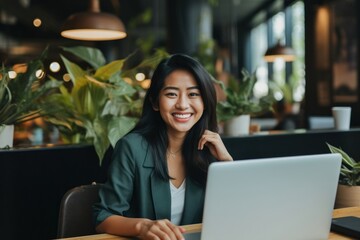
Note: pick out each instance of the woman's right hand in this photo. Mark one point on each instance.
(159, 230)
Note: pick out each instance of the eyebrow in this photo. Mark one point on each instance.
(176, 88)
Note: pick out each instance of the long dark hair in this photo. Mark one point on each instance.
(153, 128)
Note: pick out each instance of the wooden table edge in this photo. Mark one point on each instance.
(340, 212)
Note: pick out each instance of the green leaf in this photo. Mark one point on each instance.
(121, 88)
(76, 72)
(105, 72)
(345, 157)
(240, 99)
(21, 98)
(89, 99)
(120, 126)
(97, 134)
(350, 169)
(93, 56)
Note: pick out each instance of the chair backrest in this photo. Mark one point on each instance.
(75, 215)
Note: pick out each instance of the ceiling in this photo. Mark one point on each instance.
(20, 40)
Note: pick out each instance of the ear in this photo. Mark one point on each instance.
(155, 106)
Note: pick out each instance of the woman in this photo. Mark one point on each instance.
(158, 172)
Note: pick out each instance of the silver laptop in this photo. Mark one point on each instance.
(270, 198)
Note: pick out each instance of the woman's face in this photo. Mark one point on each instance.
(180, 102)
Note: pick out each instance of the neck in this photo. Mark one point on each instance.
(175, 143)
(173, 152)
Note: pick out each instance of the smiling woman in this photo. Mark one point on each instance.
(158, 172)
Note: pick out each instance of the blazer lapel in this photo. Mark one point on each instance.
(194, 202)
(160, 190)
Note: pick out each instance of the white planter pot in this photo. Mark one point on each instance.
(237, 126)
(347, 196)
(6, 135)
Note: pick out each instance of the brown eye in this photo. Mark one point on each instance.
(170, 94)
(194, 94)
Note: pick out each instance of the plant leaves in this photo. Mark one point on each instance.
(92, 56)
(24, 95)
(96, 132)
(105, 72)
(120, 126)
(350, 169)
(76, 73)
(240, 99)
(100, 105)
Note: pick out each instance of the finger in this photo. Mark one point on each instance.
(152, 236)
(208, 136)
(178, 232)
(202, 142)
(157, 231)
(170, 230)
(210, 139)
(158, 234)
(204, 139)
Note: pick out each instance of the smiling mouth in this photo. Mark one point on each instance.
(182, 116)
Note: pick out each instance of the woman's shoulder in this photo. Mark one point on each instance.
(133, 147)
(133, 139)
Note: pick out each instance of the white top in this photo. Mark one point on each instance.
(177, 202)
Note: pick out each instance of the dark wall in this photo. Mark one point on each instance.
(32, 183)
(278, 145)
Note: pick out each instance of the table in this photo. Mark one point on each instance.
(340, 212)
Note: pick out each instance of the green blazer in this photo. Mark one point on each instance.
(134, 190)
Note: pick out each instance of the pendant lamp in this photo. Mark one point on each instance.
(93, 25)
(279, 51)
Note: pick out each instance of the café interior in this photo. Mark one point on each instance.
(303, 54)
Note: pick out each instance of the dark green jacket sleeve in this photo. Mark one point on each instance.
(133, 190)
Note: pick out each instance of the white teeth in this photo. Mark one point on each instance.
(187, 115)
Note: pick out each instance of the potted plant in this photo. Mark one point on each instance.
(6, 131)
(103, 103)
(240, 104)
(22, 97)
(348, 192)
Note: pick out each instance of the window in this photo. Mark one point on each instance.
(278, 75)
(286, 26)
(298, 43)
(258, 40)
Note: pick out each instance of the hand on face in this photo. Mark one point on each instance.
(161, 230)
(215, 144)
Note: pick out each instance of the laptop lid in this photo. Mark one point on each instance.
(271, 198)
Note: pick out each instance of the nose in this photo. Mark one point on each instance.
(182, 103)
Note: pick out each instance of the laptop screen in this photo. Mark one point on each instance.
(271, 198)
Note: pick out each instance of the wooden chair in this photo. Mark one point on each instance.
(75, 215)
